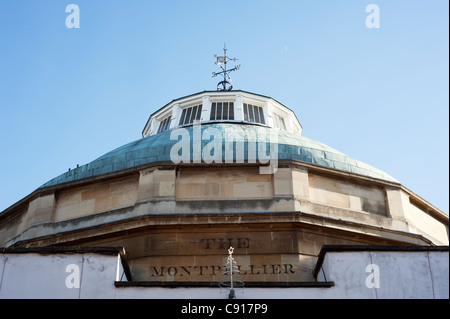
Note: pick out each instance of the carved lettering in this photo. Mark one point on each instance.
(172, 271)
(276, 269)
(252, 272)
(264, 268)
(291, 271)
(185, 271)
(156, 273)
(207, 242)
(215, 270)
(243, 243)
(201, 269)
(225, 243)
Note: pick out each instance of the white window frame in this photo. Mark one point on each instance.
(164, 124)
(188, 112)
(279, 122)
(230, 111)
(251, 116)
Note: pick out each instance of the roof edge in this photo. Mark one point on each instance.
(211, 91)
(361, 248)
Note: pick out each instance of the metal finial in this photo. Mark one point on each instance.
(222, 61)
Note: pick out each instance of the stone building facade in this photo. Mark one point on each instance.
(218, 169)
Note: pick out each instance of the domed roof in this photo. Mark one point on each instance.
(156, 149)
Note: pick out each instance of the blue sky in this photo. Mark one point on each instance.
(67, 96)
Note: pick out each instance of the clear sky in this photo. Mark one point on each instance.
(379, 95)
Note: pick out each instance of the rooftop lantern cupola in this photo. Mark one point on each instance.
(224, 105)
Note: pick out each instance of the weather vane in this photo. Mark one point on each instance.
(222, 61)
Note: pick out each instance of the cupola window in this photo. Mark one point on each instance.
(191, 114)
(164, 125)
(279, 122)
(222, 111)
(253, 113)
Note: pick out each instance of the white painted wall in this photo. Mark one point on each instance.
(403, 275)
(396, 274)
(55, 276)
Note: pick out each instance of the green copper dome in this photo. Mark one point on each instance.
(156, 149)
